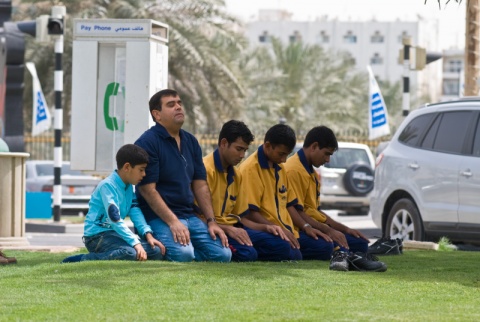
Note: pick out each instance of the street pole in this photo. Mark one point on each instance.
(407, 42)
(58, 12)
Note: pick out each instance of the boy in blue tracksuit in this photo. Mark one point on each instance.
(106, 236)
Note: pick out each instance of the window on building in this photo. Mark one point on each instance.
(296, 37)
(323, 38)
(377, 38)
(265, 37)
(451, 87)
(454, 66)
(350, 38)
(376, 59)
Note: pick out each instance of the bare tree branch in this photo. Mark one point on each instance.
(440, 5)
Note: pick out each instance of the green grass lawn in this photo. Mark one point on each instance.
(418, 286)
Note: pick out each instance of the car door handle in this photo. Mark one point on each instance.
(467, 173)
(413, 166)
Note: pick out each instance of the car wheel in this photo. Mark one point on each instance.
(358, 180)
(404, 221)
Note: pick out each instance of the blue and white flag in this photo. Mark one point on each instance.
(41, 116)
(377, 111)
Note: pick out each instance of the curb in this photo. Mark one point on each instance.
(46, 249)
(58, 228)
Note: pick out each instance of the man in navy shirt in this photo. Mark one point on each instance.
(175, 176)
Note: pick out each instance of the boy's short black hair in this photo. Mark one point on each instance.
(281, 134)
(232, 130)
(131, 153)
(323, 135)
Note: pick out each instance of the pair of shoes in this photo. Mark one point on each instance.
(386, 246)
(365, 263)
(4, 260)
(339, 261)
(343, 261)
(73, 259)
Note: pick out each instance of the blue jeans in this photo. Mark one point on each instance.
(201, 248)
(315, 248)
(110, 246)
(322, 250)
(242, 253)
(357, 244)
(272, 248)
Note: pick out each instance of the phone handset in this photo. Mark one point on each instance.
(110, 122)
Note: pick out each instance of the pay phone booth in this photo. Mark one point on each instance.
(117, 66)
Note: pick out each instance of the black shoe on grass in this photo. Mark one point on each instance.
(400, 245)
(363, 263)
(339, 261)
(386, 246)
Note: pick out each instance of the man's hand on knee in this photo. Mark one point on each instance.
(180, 233)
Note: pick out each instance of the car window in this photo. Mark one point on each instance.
(452, 131)
(476, 141)
(345, 157)
(412, 132)
(429, 138)
(47, 170)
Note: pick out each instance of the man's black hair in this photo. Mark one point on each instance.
(131, 153)
(155, 102)
(323, 135)
(232, 130)
(281, 134)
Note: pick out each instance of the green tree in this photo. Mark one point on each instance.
(306, 86)
(203, 47)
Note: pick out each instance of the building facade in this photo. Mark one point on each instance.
(453, 74)
(373, 43)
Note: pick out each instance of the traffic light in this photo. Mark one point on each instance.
(14, 81)
(422, 57)
(419, 57)
(55, 26)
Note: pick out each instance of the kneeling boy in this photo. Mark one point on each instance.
(106, 236)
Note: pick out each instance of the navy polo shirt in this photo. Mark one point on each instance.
(171, 169)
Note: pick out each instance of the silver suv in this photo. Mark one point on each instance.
(347, 180)
(427, 180)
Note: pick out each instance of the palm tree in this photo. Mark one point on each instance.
(203, 47)
(472, 47)
(306, 86)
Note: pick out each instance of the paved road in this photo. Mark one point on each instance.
(362, 223)
(49, 239)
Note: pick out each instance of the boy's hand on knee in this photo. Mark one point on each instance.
(240, 235)
(292, 239)
(154, 242)
(160, 245)
(275, 230)
(141, 254)
(215, 230)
